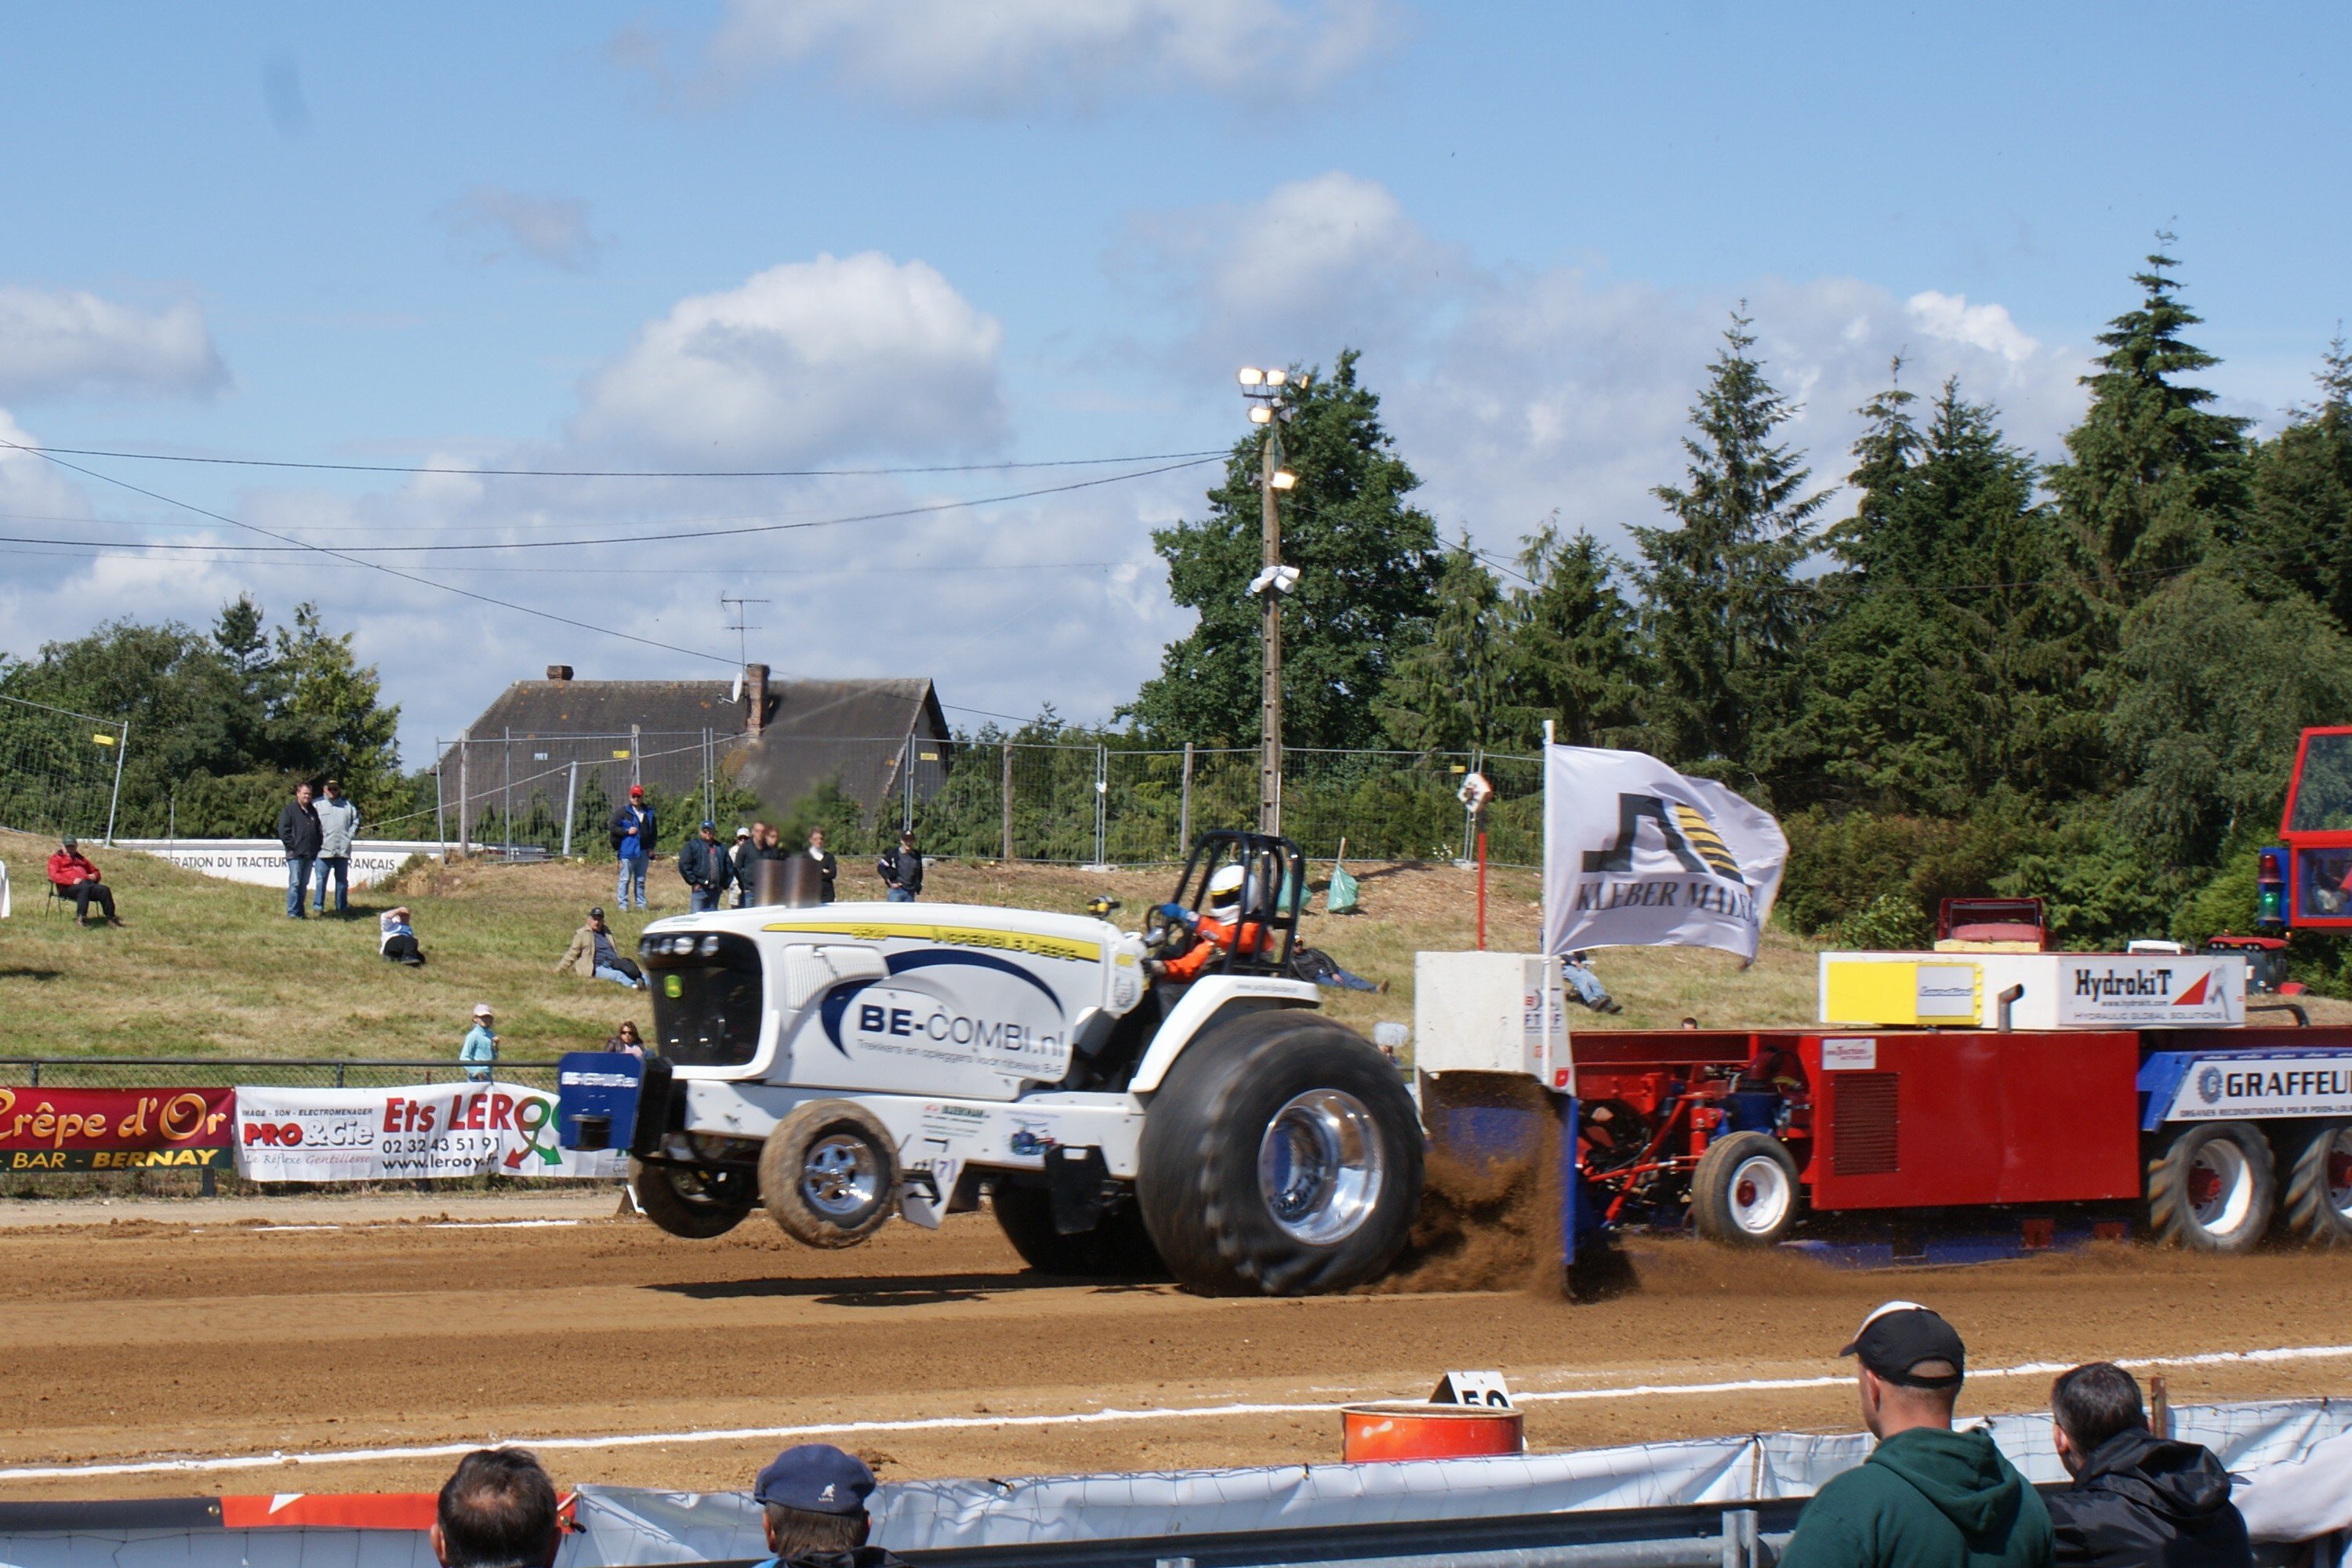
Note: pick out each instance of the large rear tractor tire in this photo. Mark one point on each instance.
(1280, 1157)
(696, 1202)
(2212, 1188)
(1745, 1192)
(1118, 1247)
(2318, 1197)
(829, 1174)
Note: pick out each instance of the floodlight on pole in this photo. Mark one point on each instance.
(1284, 478)
(1251, 376)
(1273, 402)
(1260, 414)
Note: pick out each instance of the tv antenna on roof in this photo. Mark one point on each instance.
(743, 628)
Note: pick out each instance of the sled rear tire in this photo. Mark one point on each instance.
(695, 1202)
(1118, 1247)
(2318, 1202)
(1281, 1156)
(829, 1174)
(2212, 1188)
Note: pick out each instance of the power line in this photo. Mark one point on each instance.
(242, 554)
(886, 514)
(610, 473)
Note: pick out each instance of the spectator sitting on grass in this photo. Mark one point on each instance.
(1927, 1496)
(812, 1499)
(593, 956)
(1577, 970)
(1314, 965)
(627, 1040)
(72, 874)
(396, 940)
(2136, 1498)
(498, 1510)
(479, 1051)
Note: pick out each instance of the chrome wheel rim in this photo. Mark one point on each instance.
(840, 1177)
(2339, 1173)
(1319, 1166)
(2222, 1187)
(1760, 1195)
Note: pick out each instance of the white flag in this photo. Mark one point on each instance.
(1635, 854)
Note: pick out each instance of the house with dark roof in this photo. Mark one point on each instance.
(781, 739)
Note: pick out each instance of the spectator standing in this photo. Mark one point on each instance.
(299, 831)
(703, 866)
(396, 939)
(826, 866)
(2138, 1500)
(901, 870)
(339, 824)
(593, 955)
(812, 1502)
(738, 861)
(1927, 1496)
(498, 1510)
(479, 1051)
(633, 845)
(74, 875)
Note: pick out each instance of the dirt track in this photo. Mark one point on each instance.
(141, 1339)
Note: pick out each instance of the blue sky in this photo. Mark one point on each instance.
(825, 234)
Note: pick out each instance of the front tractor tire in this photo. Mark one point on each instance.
(1280, 1157)
(2212, 1188)
(2319, 1201)
(1743, 1192)
(1118, 1247)
(695, 1202)
(829, 1174)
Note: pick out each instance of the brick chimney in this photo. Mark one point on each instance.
(755, 698)
(559, 672)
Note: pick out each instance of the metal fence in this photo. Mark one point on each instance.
(61, 772)
(230, 1072)
(557, 793)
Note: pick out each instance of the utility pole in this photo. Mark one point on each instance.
(1270, 408)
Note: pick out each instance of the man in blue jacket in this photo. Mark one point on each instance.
(704, 868)
(1927, 1496)
(633, 845)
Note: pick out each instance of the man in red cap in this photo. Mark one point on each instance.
(633, 845)
(1927, 1496)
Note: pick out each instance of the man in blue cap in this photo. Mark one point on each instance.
(813, 1497)
(1927, 1496)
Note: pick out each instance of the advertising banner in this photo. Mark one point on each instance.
(1636, 855)
(263, 860)
(417, 1130)
(2242, 1085)
(2121, 991)
(115, 1129)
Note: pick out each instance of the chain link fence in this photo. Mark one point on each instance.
(555, 794)
(61, 772)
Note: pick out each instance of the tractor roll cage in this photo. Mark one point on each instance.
(1272, 866)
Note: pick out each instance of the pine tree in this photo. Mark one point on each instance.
(2154, 475)
(1367, 564)
(1571, 649)
(2299, 526)
(1721, 607)
(1447, 693)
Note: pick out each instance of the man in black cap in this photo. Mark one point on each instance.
(813, 1497)
(2136, 1498)
(703, 866)
(1927, 1496)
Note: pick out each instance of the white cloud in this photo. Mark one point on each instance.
(823, 358)
(1516, 393)
(490, 221)
(32, 488)
(62, 341)
(1952, 317)
(991, 57)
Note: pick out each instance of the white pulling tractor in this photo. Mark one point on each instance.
(839, 1063)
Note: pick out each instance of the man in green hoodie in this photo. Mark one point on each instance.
(1927, 1496)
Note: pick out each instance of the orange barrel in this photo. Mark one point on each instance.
(1410, 1431)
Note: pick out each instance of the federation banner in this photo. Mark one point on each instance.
(114, 1129)
(1636, 855)
(416, 1130)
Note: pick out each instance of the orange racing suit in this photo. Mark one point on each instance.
(1212, 936)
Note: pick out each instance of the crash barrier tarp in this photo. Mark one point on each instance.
(417, 1130)
(630, 1526)
(621, 1525)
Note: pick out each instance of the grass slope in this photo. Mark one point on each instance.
(207, 967)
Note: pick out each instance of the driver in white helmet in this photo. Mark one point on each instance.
(1217, 929)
